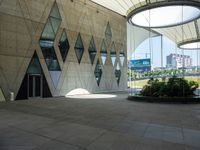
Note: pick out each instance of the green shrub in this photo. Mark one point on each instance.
(178, 87)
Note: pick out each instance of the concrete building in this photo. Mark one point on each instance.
(53, 48)
(56, 47)
(178, 61)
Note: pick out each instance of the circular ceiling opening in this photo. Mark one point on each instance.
(158, 16)
(190, 45)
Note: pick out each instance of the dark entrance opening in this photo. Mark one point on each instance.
(34, 83)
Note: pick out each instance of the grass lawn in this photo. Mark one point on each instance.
(141, 83)
(193, 78)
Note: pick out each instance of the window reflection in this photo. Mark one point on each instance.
(92, 50)
(79, 48)
(103, 52)
(47, 39)
(98, 72)
(64, 45)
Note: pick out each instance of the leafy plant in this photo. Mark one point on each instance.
(178, 87)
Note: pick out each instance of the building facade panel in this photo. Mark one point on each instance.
(22, 23)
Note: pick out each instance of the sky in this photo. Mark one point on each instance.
(153, 46)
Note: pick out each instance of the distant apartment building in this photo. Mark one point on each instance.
(178, 61)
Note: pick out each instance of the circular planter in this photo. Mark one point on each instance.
(195, 99)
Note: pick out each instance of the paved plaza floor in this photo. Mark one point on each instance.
(98, 122)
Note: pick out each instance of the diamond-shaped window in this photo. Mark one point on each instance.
(48, 32)
(113, 54)
(79, 48)
(118, 73)
(98, 72)
(108, 33)
(34, 66)
(47, 39)
(122, 56)
(55, 23)
(92, 50)
(55, 12)
(64, 45)
(103, 52)
(55, 18)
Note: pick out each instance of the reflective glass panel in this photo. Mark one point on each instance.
(64, 45)
(34, 66)
(103, 52)
(118, 73)
(92, 50)
(79, 48)
(122, 56)
(55, 23)
(113, 54)
(98, 72)
(48, 32)
(47, 39)
(55, 12)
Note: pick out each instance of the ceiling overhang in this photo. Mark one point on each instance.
(178, 33)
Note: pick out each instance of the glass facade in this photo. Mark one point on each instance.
(103, 52)
(117, 73)
(47, 39)
(113, 54)
(79, 48)
(34, 66)
(64, 45)
(98, 72)
(122, 56)
(92, 50)
(26, 89)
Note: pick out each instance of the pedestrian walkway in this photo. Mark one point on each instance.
(104, 123)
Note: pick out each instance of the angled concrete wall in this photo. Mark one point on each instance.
(2, 98)
(21, 25)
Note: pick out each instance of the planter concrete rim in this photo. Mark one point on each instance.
(194, 99)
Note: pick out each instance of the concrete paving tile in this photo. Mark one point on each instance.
(146, 147)
(11, 118)
(123, 126)
(53, 130)
(150, 141)
(104, 142)
(33, 123)
(192, 137)
(172, 146)
(138, 129)
(123, 146)
(104, 123)
(16, 147)
(98, 124)
(124, 142)
(55, 145)
(154, 131)
(13, 137)
(112, 141)
(80, 135)
(191, 148)
(131, 127)
(173, 134)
